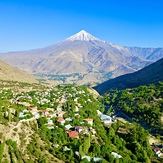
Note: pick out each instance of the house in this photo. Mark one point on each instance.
(76, 100)
(68, 126)
(68, 119)
(50, 109)
(89, 121)
(59, 108)
(73, 134)
(51, 104)
(50, 127)
(97, 159)
(93, 131)
(55, 145)
(66, 149)
(77, 153)
(76, 109)
(33, 109)
(50, 122)
(99, 113)
(13, 101)
(12, 111)
(106, 119)
(87, 157)
(77, 115)
(44, 112)
(61, 120)
(60, 113)
(116, 155)
(23, 113)
(157, 151)
(24, 103)
(79, 105)
(89, 100)
(36, 114)
(32, 105)
(81, 129)
(52, 115)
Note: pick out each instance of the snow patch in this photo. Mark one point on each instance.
(83, 36)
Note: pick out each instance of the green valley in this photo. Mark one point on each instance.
(68, 123)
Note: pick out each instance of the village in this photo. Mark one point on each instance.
(51, 105)
(70, 110)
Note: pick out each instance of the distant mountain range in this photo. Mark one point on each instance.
(83, 59)
(10, 73)
(150, 74)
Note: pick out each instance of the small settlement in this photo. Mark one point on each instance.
(61, 109)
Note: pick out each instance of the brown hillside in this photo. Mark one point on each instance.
(10, 73)
(150, 74)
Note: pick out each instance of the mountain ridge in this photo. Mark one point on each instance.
(148, 75)
(84, 55)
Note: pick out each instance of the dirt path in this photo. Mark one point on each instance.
(15, 130)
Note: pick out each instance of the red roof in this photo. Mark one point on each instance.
(60, 120)
(73, 134)
(156, 149)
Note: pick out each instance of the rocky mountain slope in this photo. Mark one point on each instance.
(83, 59)
(10, 73)
(150, 74)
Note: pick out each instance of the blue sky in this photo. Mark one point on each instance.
(30, 24)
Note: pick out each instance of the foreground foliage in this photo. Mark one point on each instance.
(34, 142)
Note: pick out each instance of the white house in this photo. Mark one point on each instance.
(68, 119)
(87, 157)
(36, 114)
(50, 122)
(50, 127)
(76, 109)
(116, 155)
(89, 121)
(97, 159)
(105, 118)
(68, 126)
(99, 113)
(23, 113)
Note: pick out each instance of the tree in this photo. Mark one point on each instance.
(81, 153)
(116, 160)
(96, 150)
(111, 132)
(86, 144)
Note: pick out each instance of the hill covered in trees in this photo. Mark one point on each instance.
(143, 104)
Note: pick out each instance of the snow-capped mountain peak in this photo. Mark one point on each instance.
(83, 36)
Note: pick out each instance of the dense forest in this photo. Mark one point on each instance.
(143, 104)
